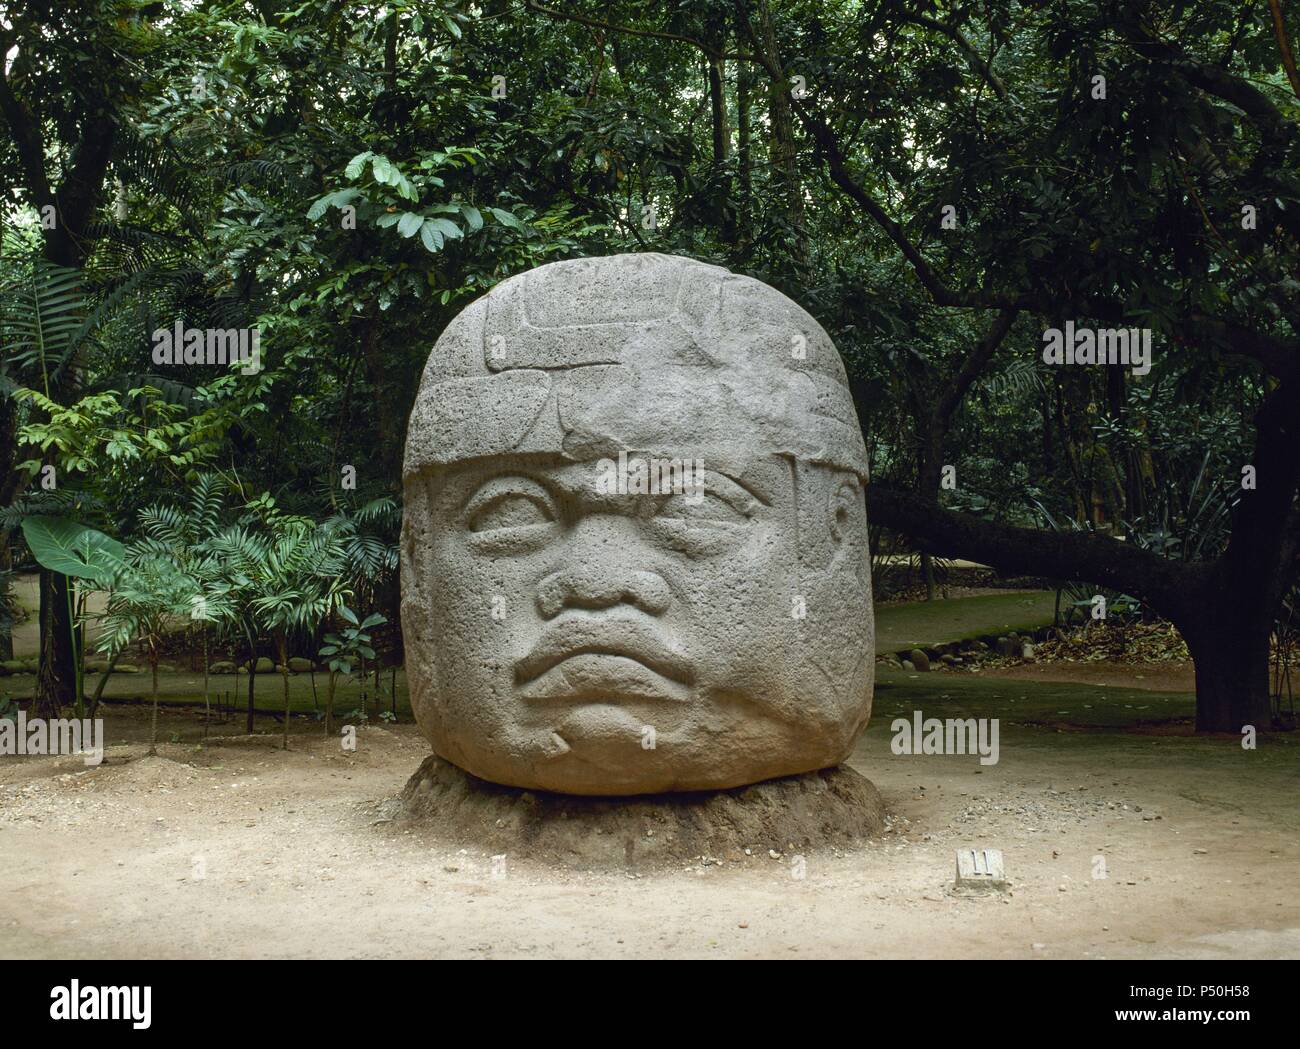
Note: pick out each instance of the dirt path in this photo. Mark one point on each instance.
(911, 623)
(239, 850)
(1106, 673)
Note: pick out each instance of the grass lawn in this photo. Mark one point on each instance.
(1075, 706)
(921, 623)
(231, 690)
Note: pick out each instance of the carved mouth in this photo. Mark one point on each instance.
(603, 643)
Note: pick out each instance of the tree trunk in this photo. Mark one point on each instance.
(252, 674)
(6, 593)
(103, 681)
(153, 716)
(1224, 611)
(390, 55)
(373, 354)
(329, 706)
(283, 648)
(56, 681)
(931, 430)
(927, 574)
(1232, 688)
(11, 483)
(744, 79)
(933, 405)
(207, 707)
(782, 150)
(718, 108)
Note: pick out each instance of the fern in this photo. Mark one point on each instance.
(1018, 378)
(41, 318)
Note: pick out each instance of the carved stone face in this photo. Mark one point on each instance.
(576, 621)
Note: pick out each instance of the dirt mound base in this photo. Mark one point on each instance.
(145, 774)
(835, 807)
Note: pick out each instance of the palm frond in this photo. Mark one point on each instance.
(42, 310)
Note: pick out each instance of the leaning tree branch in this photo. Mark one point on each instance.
(25, 130)
(1212, 79)
(828, 150)
(1279, 359)
(973, 57)
(974, 363)
(1031, 551)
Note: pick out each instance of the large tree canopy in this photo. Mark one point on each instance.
(938, 183)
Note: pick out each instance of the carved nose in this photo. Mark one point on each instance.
(591, 587)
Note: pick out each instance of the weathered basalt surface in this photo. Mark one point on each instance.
(634, 535)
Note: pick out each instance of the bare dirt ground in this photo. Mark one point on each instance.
(238, 850)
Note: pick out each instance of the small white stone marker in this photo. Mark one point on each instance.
(981, 869)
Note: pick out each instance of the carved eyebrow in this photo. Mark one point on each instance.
(566, 483)
(494, 488)
(732, 491)
(575, 481)
(747, 484)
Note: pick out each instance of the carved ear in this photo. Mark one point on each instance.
(422, 672)
(847, 511)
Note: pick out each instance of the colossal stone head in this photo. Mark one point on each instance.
(634, 552)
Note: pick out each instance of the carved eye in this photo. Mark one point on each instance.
(510, 511)
(699, 508)
(509, 507)
(722, 501)
(707, 523)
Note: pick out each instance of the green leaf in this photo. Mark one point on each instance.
(384, 171)
(337, 200)
(430, 237)
(409, 224)
(506, 219)
(72, 549)
(356, 164)
(473, 216)
(447, 228)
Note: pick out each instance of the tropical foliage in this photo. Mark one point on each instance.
(937, 182)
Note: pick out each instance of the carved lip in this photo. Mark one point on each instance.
(619, 637)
